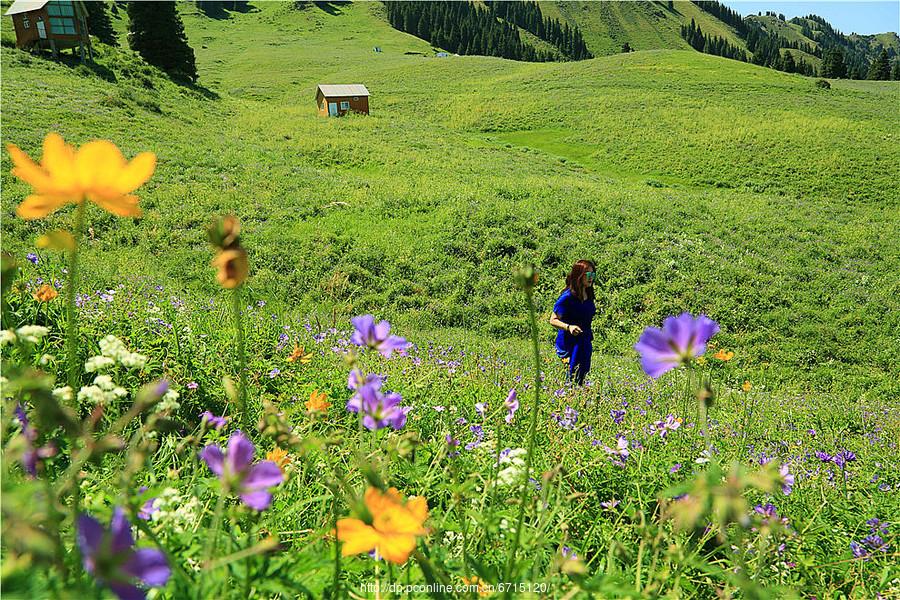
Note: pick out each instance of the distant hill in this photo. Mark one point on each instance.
(606, 28)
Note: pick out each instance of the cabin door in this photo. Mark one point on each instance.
(332, 109)
(42, 30)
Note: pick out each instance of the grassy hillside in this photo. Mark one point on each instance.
(696, 183)
(644, 25)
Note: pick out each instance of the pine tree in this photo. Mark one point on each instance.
(895, 71)
(787, 63)
(157, 34)
(833, 63)
(881, 67)
(99, 23)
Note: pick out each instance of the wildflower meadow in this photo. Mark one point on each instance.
(193, 418)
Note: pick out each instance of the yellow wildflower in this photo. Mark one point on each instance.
(391, 526)
(233, 267)
(45, 293)
(476, 583)
(747, 386)
(317, 402)
(279, 457)
(97, 172)
(300, 355)
(724, 355)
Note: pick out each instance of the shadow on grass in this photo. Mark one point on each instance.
(332, 7)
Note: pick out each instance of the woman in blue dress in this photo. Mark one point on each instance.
(572, 315)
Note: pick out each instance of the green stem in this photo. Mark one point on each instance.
(336, 584)
(531, 435)
(71, 322)
(241, 358)
(217, 519)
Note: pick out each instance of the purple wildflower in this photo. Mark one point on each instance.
(568, 553)
(109, 556)
(356, 380)
(859, 551)
(213, 421)
(787, 480)
(378, 410)
(680, 340)
(147, 509)
(670, 424)
(478, 432)
(193, 385)
(236, 470)
(452, 445)
(620, 454)
(512, 405)
(32, 258)
(568, 419)
(824, 456)
(377, 337)
(480, 407)
(274, 373)
(675, 468)
(610, 504)
(31, 454)
(843, 457)
(617, 416)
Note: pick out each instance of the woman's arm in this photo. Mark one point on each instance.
(570, 329)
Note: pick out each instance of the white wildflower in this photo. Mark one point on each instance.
(7, 336)
(98, 363)
(133, 360)
(175, 511)
(63, 394)
(31, 334)
(169, 401)
(104, 382)
(46, 359)
(91, 394)
(515, 468)
(112, 347)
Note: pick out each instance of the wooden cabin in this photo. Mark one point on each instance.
(51, 24)
(338, 100)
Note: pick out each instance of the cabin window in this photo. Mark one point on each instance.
(61, 8)
(345, 105)
(62, 25)
(355, 98)
(26, 23)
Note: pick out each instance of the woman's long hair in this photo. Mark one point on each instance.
(575, 279)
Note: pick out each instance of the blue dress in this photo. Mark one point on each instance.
(577, 348)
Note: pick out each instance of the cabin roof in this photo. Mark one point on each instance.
(353, 89)
(22, 6)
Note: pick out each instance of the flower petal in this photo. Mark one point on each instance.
(122, 206)
(396, 547)
(120, 530)
(136, 173)
(126, 591)
(239, 454)
(262, 475)
(90, 535)
(214, 459)
(99, 164)
(59, 162)
(259, 500)
(27, 170)
(355, 536)
(149, 565)
(38, 207)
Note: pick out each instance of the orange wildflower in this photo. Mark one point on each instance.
(280, 457)
(97, 172)
(45, 293)
(233, 267)
(391, 526)
(300, 355)
(317, 402)
(724, 355)
(475, 583)
(747, 386)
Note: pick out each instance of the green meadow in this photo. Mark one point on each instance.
(693, 182)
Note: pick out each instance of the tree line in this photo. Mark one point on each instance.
(529, 17)
(467, 28)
